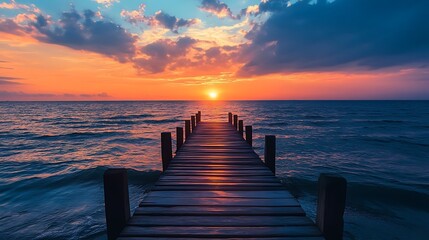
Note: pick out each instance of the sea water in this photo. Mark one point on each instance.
(53, 155)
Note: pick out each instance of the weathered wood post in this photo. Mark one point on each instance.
(179, 138)
(249, 135)
(240, 127)
(193, 123)
(235, 122)
(330, 205)
(116, 201)
(187, 129)
(230, 118)
(199, 117)
(270, 152)
(166, 150)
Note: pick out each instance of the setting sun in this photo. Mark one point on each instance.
(213, 95)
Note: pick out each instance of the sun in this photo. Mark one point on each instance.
(213, 95)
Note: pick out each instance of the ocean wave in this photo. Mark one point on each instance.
(85, 176)
(79, 135)
(130, 116)
(365, 196)
(277, 124)
(400, 140)
(127, 140)
(156, 121)
(380, 121)
(314, 117)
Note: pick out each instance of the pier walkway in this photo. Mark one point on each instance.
(217, 187)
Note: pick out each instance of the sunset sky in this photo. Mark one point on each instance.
(194, 49)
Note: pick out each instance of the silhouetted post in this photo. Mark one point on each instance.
(330, 205)
(230, 118)
(199, 117)
(179, 138)
(166, 151)
(240, 127)
(187, 129)
(270, 152)
(235, 122)
(116, 201)
(249, 135)
(193, 123)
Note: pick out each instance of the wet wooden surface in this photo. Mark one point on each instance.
(217, 187)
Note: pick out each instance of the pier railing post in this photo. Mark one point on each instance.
(193, 123)
(330, 205)
(199, 117)
(116, 201)
(230, 118)
(187, 129)
(179, 138)
(166, 150)
(235, 122)
(240, 127)
(270, 152)
(249, 135)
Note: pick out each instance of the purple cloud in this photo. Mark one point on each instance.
(159, 19)
(163, 52)
(218, 8)
(8, 80)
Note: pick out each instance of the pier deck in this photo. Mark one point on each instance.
(215, 187)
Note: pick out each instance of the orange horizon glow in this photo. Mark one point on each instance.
(61, 73)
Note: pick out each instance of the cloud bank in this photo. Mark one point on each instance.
(344, 34)
(84, 32)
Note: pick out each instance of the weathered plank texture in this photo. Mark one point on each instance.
(217, 187)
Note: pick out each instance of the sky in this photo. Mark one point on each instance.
(202, 49)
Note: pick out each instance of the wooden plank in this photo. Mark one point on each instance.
(219, 211)
(220, 221)
(192, 238)
(156, 201)
(181, 231)
(224, 194)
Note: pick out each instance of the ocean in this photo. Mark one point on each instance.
(53, 155)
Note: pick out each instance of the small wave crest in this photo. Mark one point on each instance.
(130, 116)
(85, 176)
(364, 195)
(79, 135)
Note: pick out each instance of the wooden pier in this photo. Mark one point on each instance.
(217, 187)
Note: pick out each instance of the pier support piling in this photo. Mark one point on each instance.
(330, 206)
(240, 127)
(166, 150)
(187, 129)
(249, 135)
(230, 118)
(193, 123)
(179, 138)
(236, 122)
(116, 201)
(199, 117)
(270, 152)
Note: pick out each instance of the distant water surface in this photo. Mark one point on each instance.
(53, 155)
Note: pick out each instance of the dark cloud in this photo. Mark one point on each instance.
(83, 32)
(339, 35)
(8, 80)
(171, 22)
(23, 96)
(163, 52)
(218, 8)
(159, 19)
